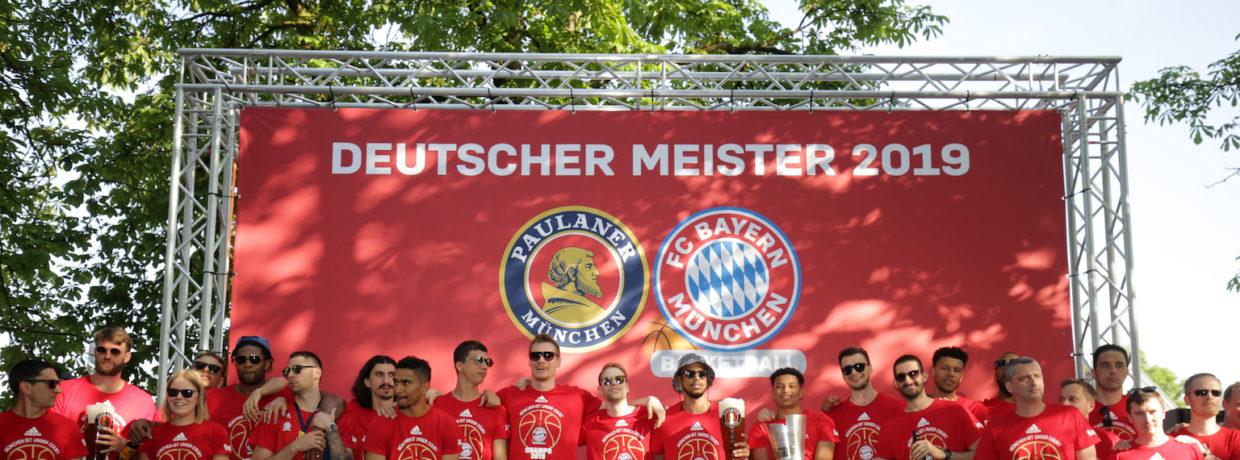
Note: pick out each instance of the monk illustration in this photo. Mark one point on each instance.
(574, 276)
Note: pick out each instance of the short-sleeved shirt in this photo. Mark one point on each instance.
(1119, 419)
(615, 438)
(358, 420)
(1225, 444)
(479, 426)
(131, 403)
(50, 436)
(274, 436)
(685, 435)
(946, 425)
(859, 426)
(1059, 432)
(197, 441)
(979, 410)
(429, 436)
(818, 428)
(998, 407)
(1170, 450)
(544, 425)
(225, 406)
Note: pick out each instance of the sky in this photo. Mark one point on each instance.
(1186, 237)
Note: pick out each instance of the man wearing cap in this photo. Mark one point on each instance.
(1110, 370)
(820, 433)
(1035, 429)
(691, 430)
(113, 348)
(928, 427)
(1001, 403)
(31, 431)
(1204, 395)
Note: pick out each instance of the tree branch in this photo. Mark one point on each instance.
(1234, 172)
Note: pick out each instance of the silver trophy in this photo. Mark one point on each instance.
(788, 438)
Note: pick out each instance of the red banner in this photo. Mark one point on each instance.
(764, 240)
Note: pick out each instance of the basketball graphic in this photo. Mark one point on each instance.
(179, 453)
(1119, 432)
(32, 451)
(238, 434)
(472, 440)
(540, 428)
(1036, 449)
(936, 440)
(623, 446)
(698, 449)
(861, 442)
(416, 451)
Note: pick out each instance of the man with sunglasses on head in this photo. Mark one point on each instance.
(949, 365)
(309, 424)
(622, 430)
(692, 429)
(113, 348)
(1110, 370)
(860, 418)
(483, 430)
(928, 427)
(1001, 403)
(1204, 395)
(372, 392)
(1080, 394)
(30, 430)
(1145, 407)
(1036, 430)
(821, 437)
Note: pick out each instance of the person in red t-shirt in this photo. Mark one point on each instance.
(187, 435)
(691, 430)
(1146, 410)
(1001, 403)
(419, 431)
(372, 392)
(622, 431)
(820, 433)
(928, 427)
(860, 418)
(1231, 404)
(1080, 394)
(1110, 370)
(948, 371)
(310, 421)
(210, 366)
(483, 429)
(113, 348)
(30, 430)
(1035, 430)
(1204, 395)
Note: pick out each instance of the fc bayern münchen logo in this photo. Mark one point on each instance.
(575, 273)
(727, 279)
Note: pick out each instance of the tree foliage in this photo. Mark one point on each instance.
(1172, 386)
(86, 125)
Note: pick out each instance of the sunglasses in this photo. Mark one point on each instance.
(910, 374)
(1001, 363)
(254, 359)
(488, 362)
(102, 350)
(1107, 421)
(609, 381)
(691, 374)
(199, 365)
(1203, 393)
(545, 355)
(849, 369)
(173, 392)
(1143, 390)
(51, 383)
(296, 369)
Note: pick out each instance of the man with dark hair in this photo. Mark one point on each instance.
(928, 427)
(211, 367)
(1001, 403)
(113, 348)
(820, 433)
(30, 430)
(1110, 370)
(419, 431)
(949, 365)
(1080, 395)
(309, 423)
(1145, 407)
(1231, 403)
(372, 391)
(1204, 395)
(483, 430)
(692, 429)
(622, 431)
(1035, 429)
(860, 418)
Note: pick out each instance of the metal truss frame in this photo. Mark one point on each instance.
(216, 84)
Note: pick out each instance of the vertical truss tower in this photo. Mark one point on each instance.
(216, 84)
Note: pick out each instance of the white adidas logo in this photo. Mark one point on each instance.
(416, 431)
(1091, 432)
(465, 413)
(922, 423)
(33, 432)
(1033, 429)
(1156, 456)
(864, 417)
(697, 426)
(621, 422)
(179, 437)
(540, 399)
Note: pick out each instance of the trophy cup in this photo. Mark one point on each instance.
(731, 423)
(788, 438)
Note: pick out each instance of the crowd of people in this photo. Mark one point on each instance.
(394, 414)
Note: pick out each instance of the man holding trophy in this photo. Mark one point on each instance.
(794, 434)
(692, 429)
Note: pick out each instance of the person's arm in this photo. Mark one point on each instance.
(371, 456)
(313, 439)
(490, 399)
(269, 387)
(143, 456)
(140, 430)
(499, 449)
(654, 409)
(450, 457)
(335, 444)
(831, 403)
(762, 454)
(1087, 453)
(824, 451)
(220, 457)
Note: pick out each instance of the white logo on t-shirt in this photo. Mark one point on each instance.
(416, 430)
(922, 423)
(540, 399)
(621, 422)
(179, 437)
(1033, 429)
(465, 413)
(33, 432)
(697, 426)
(288, 426)
(864, 416)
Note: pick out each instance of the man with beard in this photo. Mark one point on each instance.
(1110, 370)
(622, 431)
(1231, 404)
(574, 276)
(691, 430)
(1002, 403)
(820, 433)
(372, 391)
(1080, 394)
(1035, 430)
(30, 427)
(949, 365)
(419, 431)
(928, 427)
(113, 348)
(310, 421)
(860, 418)
(483, 430)
(1204, 395)
(1147, 413)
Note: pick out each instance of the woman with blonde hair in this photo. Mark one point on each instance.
(186, 434)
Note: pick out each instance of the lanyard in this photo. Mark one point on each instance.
(305, 424)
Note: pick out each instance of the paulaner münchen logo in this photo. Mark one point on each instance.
(576, 273)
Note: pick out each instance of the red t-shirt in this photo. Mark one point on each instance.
(428, 437)
(1170, 450)
(285, 429)
(998, 407)
(1119, 419)
(479, 426)
(946, 425)
(1225, 444)
(1107, 439)
(626, 437)
(979, 410)
(684, 435)
(198, 441)
(46, 437)
(859, 426)
(357, 420)
(818, 428)
(545, 425)
(1058, 432)
(224, 405)
(131, 403)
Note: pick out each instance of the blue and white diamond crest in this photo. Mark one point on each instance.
(727, 278)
